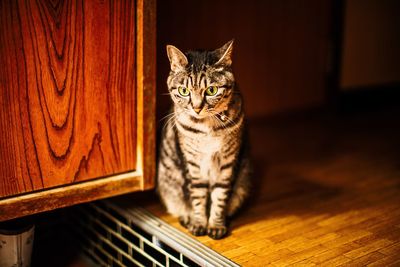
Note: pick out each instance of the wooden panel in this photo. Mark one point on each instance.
(140, 179)
(67, 102)
(280, 51)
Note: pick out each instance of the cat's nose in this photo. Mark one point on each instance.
(197, 110)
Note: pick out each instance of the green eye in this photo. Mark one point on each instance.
(183, 91)
(212, 90)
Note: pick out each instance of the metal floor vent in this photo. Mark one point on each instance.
(112, 236)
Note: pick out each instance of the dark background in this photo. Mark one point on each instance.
(292, 55)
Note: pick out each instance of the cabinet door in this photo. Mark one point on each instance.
(71, 80)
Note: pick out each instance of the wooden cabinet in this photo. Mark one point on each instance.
(77, 92)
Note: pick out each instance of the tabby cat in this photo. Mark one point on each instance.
(204, 168)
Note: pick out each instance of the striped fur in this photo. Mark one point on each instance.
(204, 169)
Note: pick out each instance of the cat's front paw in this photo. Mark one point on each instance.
(197, 229)
(216, 232)
(184, 221)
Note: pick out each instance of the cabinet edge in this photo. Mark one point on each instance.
(50, 199)
(146, 90)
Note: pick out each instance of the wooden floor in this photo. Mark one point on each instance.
(327, 193)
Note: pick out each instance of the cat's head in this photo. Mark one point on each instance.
(201, 82)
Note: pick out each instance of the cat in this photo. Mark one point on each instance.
(204, 167)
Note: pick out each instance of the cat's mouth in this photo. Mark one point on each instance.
(200, 114)
(204, 113)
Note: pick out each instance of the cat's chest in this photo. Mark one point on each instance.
(209, 157)
(209, 145)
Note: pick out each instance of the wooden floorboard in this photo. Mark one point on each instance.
(327, 193)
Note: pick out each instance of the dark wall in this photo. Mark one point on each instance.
(281, 47)
(371, 44)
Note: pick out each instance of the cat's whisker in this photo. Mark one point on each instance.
(167, 116)
(169, 94)
(229, 120)
(171, 122)
(222, 123)
(168, 123)
(171, 119)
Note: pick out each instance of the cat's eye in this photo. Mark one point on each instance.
(183, 91)
(212, 90)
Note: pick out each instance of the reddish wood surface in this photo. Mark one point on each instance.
(67, 101)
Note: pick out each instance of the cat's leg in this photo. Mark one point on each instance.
(171, 190)
(227, 198)
(198, 198)
(170, 178)
(241, 187)
(216, 222)
(220, 189)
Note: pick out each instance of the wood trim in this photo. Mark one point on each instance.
(31, 203)
(146, 88)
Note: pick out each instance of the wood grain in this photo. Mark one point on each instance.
(141, 131)
(67, 102)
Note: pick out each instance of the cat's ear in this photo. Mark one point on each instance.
(225, 54)
(177, 59)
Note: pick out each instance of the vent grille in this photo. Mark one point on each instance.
(112, 236)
